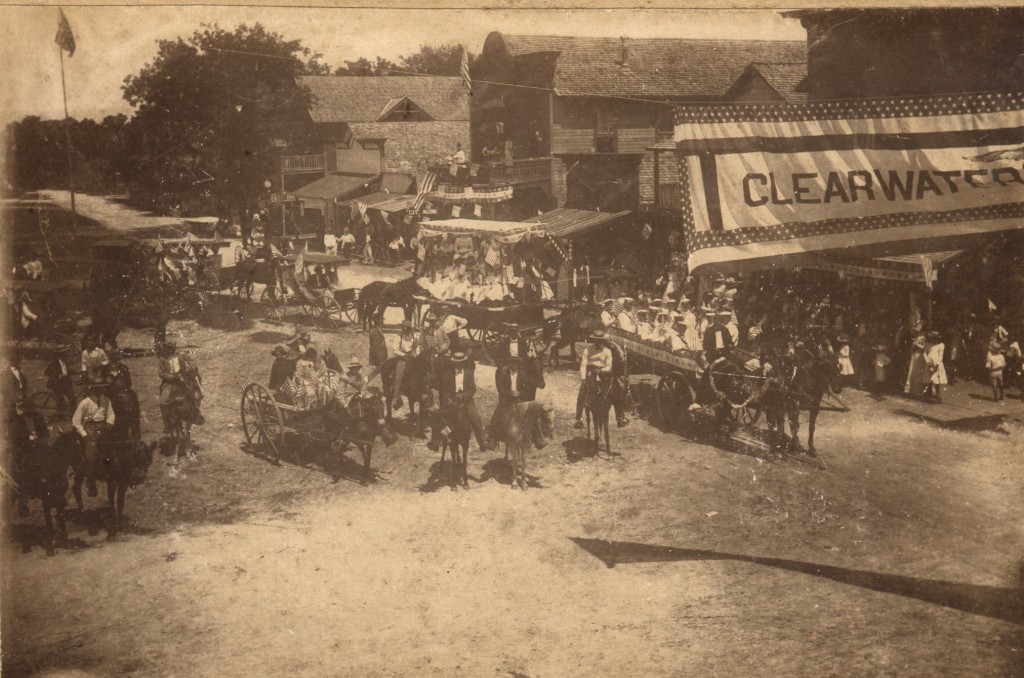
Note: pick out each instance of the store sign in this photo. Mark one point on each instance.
(768, 180)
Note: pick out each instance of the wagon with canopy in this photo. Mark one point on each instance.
(286, 285)
(729, 391)
(486, 272)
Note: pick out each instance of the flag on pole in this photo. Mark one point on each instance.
(425, 187)
(65, 38)
(464, 70)
(362, 212)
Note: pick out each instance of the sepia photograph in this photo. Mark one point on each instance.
(514, 341)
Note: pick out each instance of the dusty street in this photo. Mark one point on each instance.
(902, 556)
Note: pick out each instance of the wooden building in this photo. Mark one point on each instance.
(570, 121)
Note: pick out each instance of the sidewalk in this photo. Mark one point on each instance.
(966, 404)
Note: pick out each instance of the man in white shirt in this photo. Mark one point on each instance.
(403, 348)
(330, 242)
(460, 155)
(595, 362)
(643, 325)
(607, 316)
(451, 325)
(93, 417)
(347, 242)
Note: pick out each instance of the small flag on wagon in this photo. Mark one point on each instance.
(456, 211)
(478, 210)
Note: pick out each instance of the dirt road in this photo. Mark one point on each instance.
(902, 557)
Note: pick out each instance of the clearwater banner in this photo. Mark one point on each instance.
(763, 181)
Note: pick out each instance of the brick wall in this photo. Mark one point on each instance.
(418, 144)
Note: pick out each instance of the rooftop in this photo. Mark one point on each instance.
(363, 99)
(651, 67)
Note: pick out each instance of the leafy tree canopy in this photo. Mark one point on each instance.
(429, 60)
(210, 107)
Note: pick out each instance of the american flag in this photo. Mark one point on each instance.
(362, 212)
(426, 186)
(65, 38)
(464, 70)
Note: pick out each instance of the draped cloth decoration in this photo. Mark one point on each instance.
(767, 183)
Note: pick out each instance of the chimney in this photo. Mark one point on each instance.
(625, 52)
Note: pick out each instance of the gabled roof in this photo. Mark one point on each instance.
(407, 107)
(783, 78)
(362, 99)
(653, 67)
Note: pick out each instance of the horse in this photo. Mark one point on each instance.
(121, 463)
(597, 401)
(359, 423)
(575, 323)
(183, 411)
(419, 377)
(804, 379)
(41, 472)
(525, 424)
(378, 296)
(453, 419)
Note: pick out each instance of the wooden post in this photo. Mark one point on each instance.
(67, 140)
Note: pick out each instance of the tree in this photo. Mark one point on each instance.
(440, 60)
(364, 67)
(209, 109)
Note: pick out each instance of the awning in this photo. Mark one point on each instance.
(385, 202)
(332, 187)
(502, 231)
(786, 182)
(905, 268)
(569, 223)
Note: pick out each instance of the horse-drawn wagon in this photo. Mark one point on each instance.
(276, 424)
(728, 390)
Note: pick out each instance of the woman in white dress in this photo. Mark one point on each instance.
(933, 357)
(916, 376)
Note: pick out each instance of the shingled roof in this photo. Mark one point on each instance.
(784, 78)
(361, 99)
(653, 67)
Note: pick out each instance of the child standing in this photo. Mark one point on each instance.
(881, 365)
(995, 362)
(846, 370)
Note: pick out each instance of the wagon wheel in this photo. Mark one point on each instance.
(674, 399)
(746, 415)
(57, 340)
(311, 309)
(273, 303)
(493, 339)
(241, 254)
(330, 312)
(262, 420)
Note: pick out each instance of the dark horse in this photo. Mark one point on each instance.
(360, 423)
(453, 419)
(121, 463)
(419, 377)
(801, 382)
(575, 323)
(525, 424)
(378, 296)
(597, 401)
(41, 472)
(183, 411)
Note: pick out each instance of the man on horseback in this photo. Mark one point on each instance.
(93, 418)
(459, 387)
(124, 401)
(597, 364)
(178, 380)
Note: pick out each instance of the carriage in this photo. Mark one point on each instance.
(270, 418)
(500, 330)
(328, 307)
(58, 327)
(730, 391)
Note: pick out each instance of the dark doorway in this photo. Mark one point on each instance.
(609, 183)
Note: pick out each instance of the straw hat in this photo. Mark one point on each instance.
(597, 335)
(459, 358)
(354, 363)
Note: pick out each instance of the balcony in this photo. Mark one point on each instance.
(302, 163)
(501, 173)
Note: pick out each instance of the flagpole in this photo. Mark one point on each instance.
(67, 139)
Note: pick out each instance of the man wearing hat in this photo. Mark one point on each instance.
(403, 348)
(433, 341)
(94, 360)
(378, 353)
(662, 327)
(352, 383)
(459, 386)
(595, 363)
(643, 325)
(681, 338)
(607, 313)
(118, 371)
(505, 378)
(300, 344)
(93, 417)
(717, 338)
